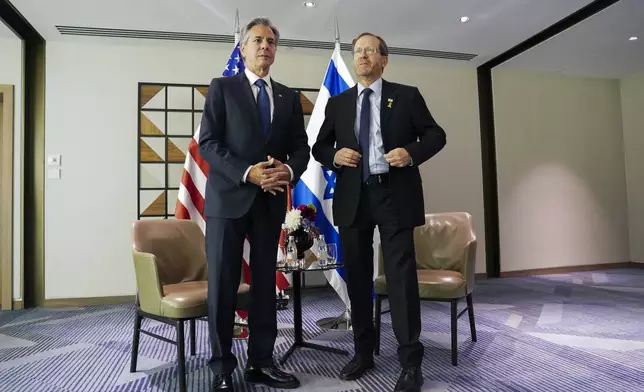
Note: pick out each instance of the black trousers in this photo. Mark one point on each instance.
(397, 242)
(224, 250)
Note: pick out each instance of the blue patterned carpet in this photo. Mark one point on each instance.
(572, 332)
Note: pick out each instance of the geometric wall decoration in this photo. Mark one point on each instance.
(169, 113)
(307, 99)
(166, 125)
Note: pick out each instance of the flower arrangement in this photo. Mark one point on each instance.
(301, 218)
(300, 223)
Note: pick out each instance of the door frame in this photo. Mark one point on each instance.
(6, 196)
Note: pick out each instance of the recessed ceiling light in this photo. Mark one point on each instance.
(464, 19)
(309, 4)
(633, 38)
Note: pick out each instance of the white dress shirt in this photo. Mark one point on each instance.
(377, 162)
(252, 79)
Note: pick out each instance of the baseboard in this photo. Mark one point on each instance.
(18, 304)
(481, 275)
(574, 268)
(64, 302)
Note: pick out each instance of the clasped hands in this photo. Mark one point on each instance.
(271, 175)
(398, 157)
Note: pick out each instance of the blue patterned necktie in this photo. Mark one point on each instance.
(365, 122)
(264, 106)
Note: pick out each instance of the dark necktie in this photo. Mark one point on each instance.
(365, 122)
(264, 106)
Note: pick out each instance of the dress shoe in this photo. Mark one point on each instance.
(410, 380)
(356, 368)
(270, 376)
(223, 382)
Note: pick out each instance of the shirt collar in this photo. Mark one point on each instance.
(375, 86)
(252, 78)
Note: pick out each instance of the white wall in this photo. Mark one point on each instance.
(561, 176)
(91, 121)
(11, 73)
(632, 97)
(452, 180)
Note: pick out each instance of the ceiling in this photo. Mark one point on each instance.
(597, 47)
(495, 25)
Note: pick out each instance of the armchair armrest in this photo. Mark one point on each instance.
(469, 264)
(147, 282)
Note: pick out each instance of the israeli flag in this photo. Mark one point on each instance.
(317, 183)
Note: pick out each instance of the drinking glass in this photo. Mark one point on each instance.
(281, 256)
(331, 253)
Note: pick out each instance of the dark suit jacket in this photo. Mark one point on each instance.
(407, 123)
(231, 140)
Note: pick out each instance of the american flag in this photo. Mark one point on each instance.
(192, 190)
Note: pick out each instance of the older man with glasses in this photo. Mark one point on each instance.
(374, 136)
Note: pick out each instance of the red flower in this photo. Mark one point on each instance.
(307, 212)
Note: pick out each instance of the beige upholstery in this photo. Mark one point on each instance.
(170, 267)
(445, 261)
(171, 280)
(445, 257)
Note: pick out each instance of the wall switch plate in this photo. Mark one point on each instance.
(53, 160)
(53, 173)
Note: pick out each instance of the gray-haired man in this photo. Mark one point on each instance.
(253, 137)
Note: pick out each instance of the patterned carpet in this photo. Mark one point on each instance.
(572, 332)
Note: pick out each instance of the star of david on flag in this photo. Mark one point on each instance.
(329, 176)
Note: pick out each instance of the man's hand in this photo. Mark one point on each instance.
(276, 178)
(347, 157)
(256, 172)
(398, 157)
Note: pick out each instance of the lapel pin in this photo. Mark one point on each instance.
(390, 101)
(279, 95)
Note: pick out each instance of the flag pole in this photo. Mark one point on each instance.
(237, 31)
(343, 321)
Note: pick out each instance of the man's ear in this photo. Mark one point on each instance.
(242, 50)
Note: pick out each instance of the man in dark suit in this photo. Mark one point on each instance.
(253, 137)
(375, 135)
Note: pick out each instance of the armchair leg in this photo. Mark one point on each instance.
(135, 341)
(378, 317)
(454, 317)
(193, 338)
(181, 346)
(470, 311)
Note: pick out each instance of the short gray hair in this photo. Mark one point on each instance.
(261, 21)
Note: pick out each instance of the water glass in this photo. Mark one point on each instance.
(281, 256)
(331, 253)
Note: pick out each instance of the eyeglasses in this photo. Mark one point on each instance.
(369, 51)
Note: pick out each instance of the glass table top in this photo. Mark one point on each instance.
(310, 266)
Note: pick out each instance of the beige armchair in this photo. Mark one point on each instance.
(171, 280)
(445, 258)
